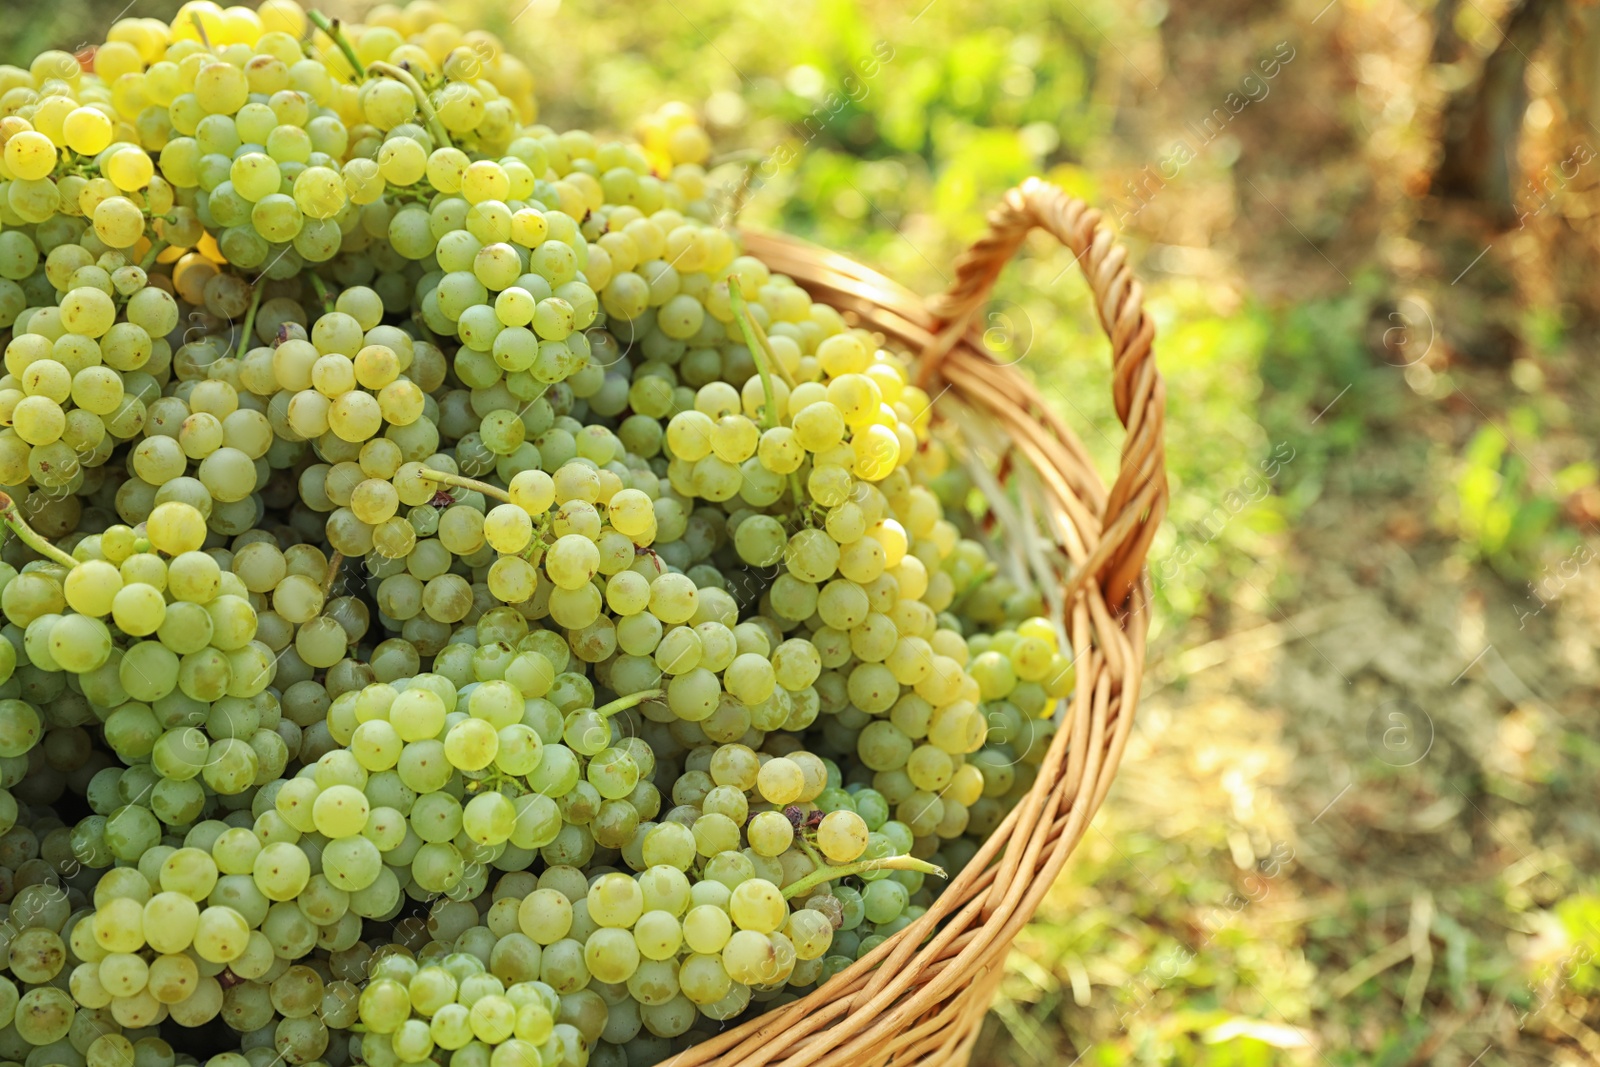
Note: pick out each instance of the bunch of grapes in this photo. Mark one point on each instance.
(460, 609)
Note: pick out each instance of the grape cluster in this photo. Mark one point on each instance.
(460, 608)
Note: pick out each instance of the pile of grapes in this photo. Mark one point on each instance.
(457, 607)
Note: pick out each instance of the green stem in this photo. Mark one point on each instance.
(250, 319)
(888, 863)
(537, 543)
(403, 76)
(322, 290)
(629, 701)
(765, 358)
(336, 32)
(200, 28)
(740, 155)
(332, 574)
(810, 850)
(156, 249)
(492, 491)
(979, 580)
(28, 535)
(749, 325)
(752, 331)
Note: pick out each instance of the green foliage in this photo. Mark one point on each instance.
(1225, 470)
(1504, 511)
(1263, 401)
(1580, 967)
(1322, 378)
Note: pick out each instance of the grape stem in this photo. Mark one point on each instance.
(761, 352)
(810, 849)
(739, 195)
(12, 517)
(200, 28)
(322, 290)
(888, 863)
(156, 249)
(492, 491)
(989, 570)
(333, 573)
(403, 76)
(336, 32)
(629, 701)
(536, 544)
(748, 326)
(250, 319)
(755, 337)
(742, 156)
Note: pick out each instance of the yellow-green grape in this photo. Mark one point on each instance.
(118, 222)
(508, 528)
(221, 88)
(512, 580)
(780, 781)
(38, 420)
(533, 491)
(87, 130)
(221, 934)
(277, 217)
(445, 169)
(48, 379)
(175, 528)
(770, 833)
(138, 609)
(461, 108)
(255, 175)
(842, 836)
(362, 184)
(129, 169)
(572, 561)
(485, 180)
(402, 161)
(30, 155)
(91, 587)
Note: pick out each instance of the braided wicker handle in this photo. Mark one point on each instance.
(920, 997)
(1131, 513)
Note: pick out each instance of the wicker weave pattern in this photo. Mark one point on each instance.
(921, 997)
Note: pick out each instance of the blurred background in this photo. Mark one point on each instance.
(1358, 822)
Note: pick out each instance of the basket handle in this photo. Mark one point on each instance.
(1137, 502)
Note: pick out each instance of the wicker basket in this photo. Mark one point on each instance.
(921, 997)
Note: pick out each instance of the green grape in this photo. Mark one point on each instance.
(489, 818)
(43, 1015)
(402, 161)
(611, 955)
(20, 727)
(437, 867)
(471, 744)
(281, 871)
(340, 811)
(221, 934)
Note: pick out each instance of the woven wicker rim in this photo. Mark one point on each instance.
(921, 996)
